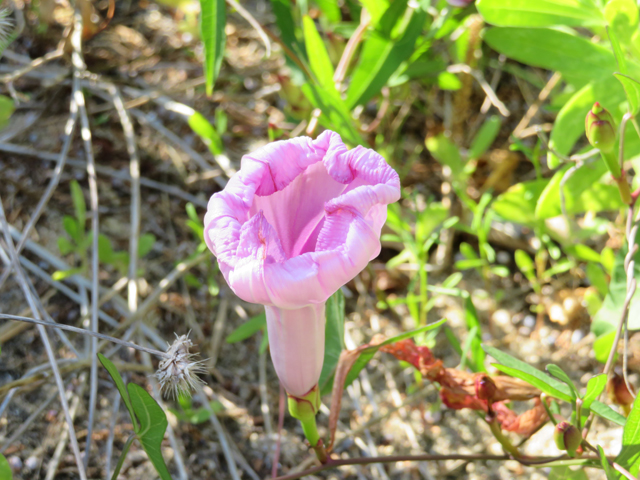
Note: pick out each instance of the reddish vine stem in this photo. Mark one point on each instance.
(421, 458)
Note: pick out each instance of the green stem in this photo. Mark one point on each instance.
(310, 430)
(504, 441)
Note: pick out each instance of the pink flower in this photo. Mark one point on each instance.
(300, 219)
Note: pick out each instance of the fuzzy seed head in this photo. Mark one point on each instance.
(178, 372)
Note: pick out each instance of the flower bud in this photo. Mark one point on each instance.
(600, 128)
(618, 391)
(485, 388)
(305, 409)
(567, 437)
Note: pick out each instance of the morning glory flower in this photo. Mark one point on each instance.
(300, 219)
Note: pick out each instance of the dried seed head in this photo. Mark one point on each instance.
(178, 373)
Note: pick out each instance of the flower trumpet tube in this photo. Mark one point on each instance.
(300, 219)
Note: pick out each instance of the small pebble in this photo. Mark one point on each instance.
(529, 321)
(503, 258)
(524, 331)
(31, 463)
(15, 463)
(576, 336)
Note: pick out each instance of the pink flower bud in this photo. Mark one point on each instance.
(300, 219)
(567, 437)
(485, 388)
(600, 128)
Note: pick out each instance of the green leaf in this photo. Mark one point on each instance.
(485, 137)
(335, 114)
(319, 60)
(213, 18)
(540, 13)
(123, 455)
(376, 9)
(602, 346)
(369, 352)
(117, 379)
(380, 58)
(153, 424)
(518, 203)
(105, 250)
(629, 456)
(446, 153)
(557, 372)
(79, 205)
(606, 412)
(583, 253)
(579, 60)
(145, 243)
(609, 315)
(209, 135)
(5, 469)
(564, 472)
(248, 328)
(331, 10)
(333, 339)
(622, 16)
(7, 108)
(608, 469)
(583, 191)
(595, 386)
(632, 89)
(65, 246)
(70, 226)
(519, 369)
(526, 265)
(284, 19)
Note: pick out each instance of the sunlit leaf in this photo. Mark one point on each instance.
(333, 339)
(213, 18)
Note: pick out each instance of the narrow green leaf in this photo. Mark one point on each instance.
(117, 379)
(519, 369)
(248, 328)
(595, 386)
(79, 205)
(632, 89)
(105, 250)
(446, 153)
(319, 60)
(146, 243)
(526, 265)
(380, 58)
(606, 412)
(331, 10)
(557, 372)
(608, 469)
(62, 274)
(123, 455)
(284, 19)
(5, 469)
(333, 339)
(368, 353)
(7, 107)
(153, 424)
(213, 18)
(209, 135)
(485, 137)
(540, 13)
(376, 9)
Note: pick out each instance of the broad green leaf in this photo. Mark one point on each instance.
(380, 58)
(79, 205)
(622, 17)
(6, 108)
(598, 278)
(5, 469)
(248, 328)
(319, 60)
(213, 18)
(526, 265)
(564, 472)
(595, 386)
(583, 191)
(369, 352)
(209, 135)
(485, 137)
(335, 114)
(449, 81)
(518, 203)
(557, 372)
(376, 9)
(602, 346)
(105, 250)
(540, 13)
(629, 456)
(606, 412)
(608, 469)
(609, 315)
(519, 369)
(65, 246)
(569, 124)
(632, 89)
(333, 339)
(145, 243)
(153, 424)
(117, 379)
(579, 60)
(331, 10)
